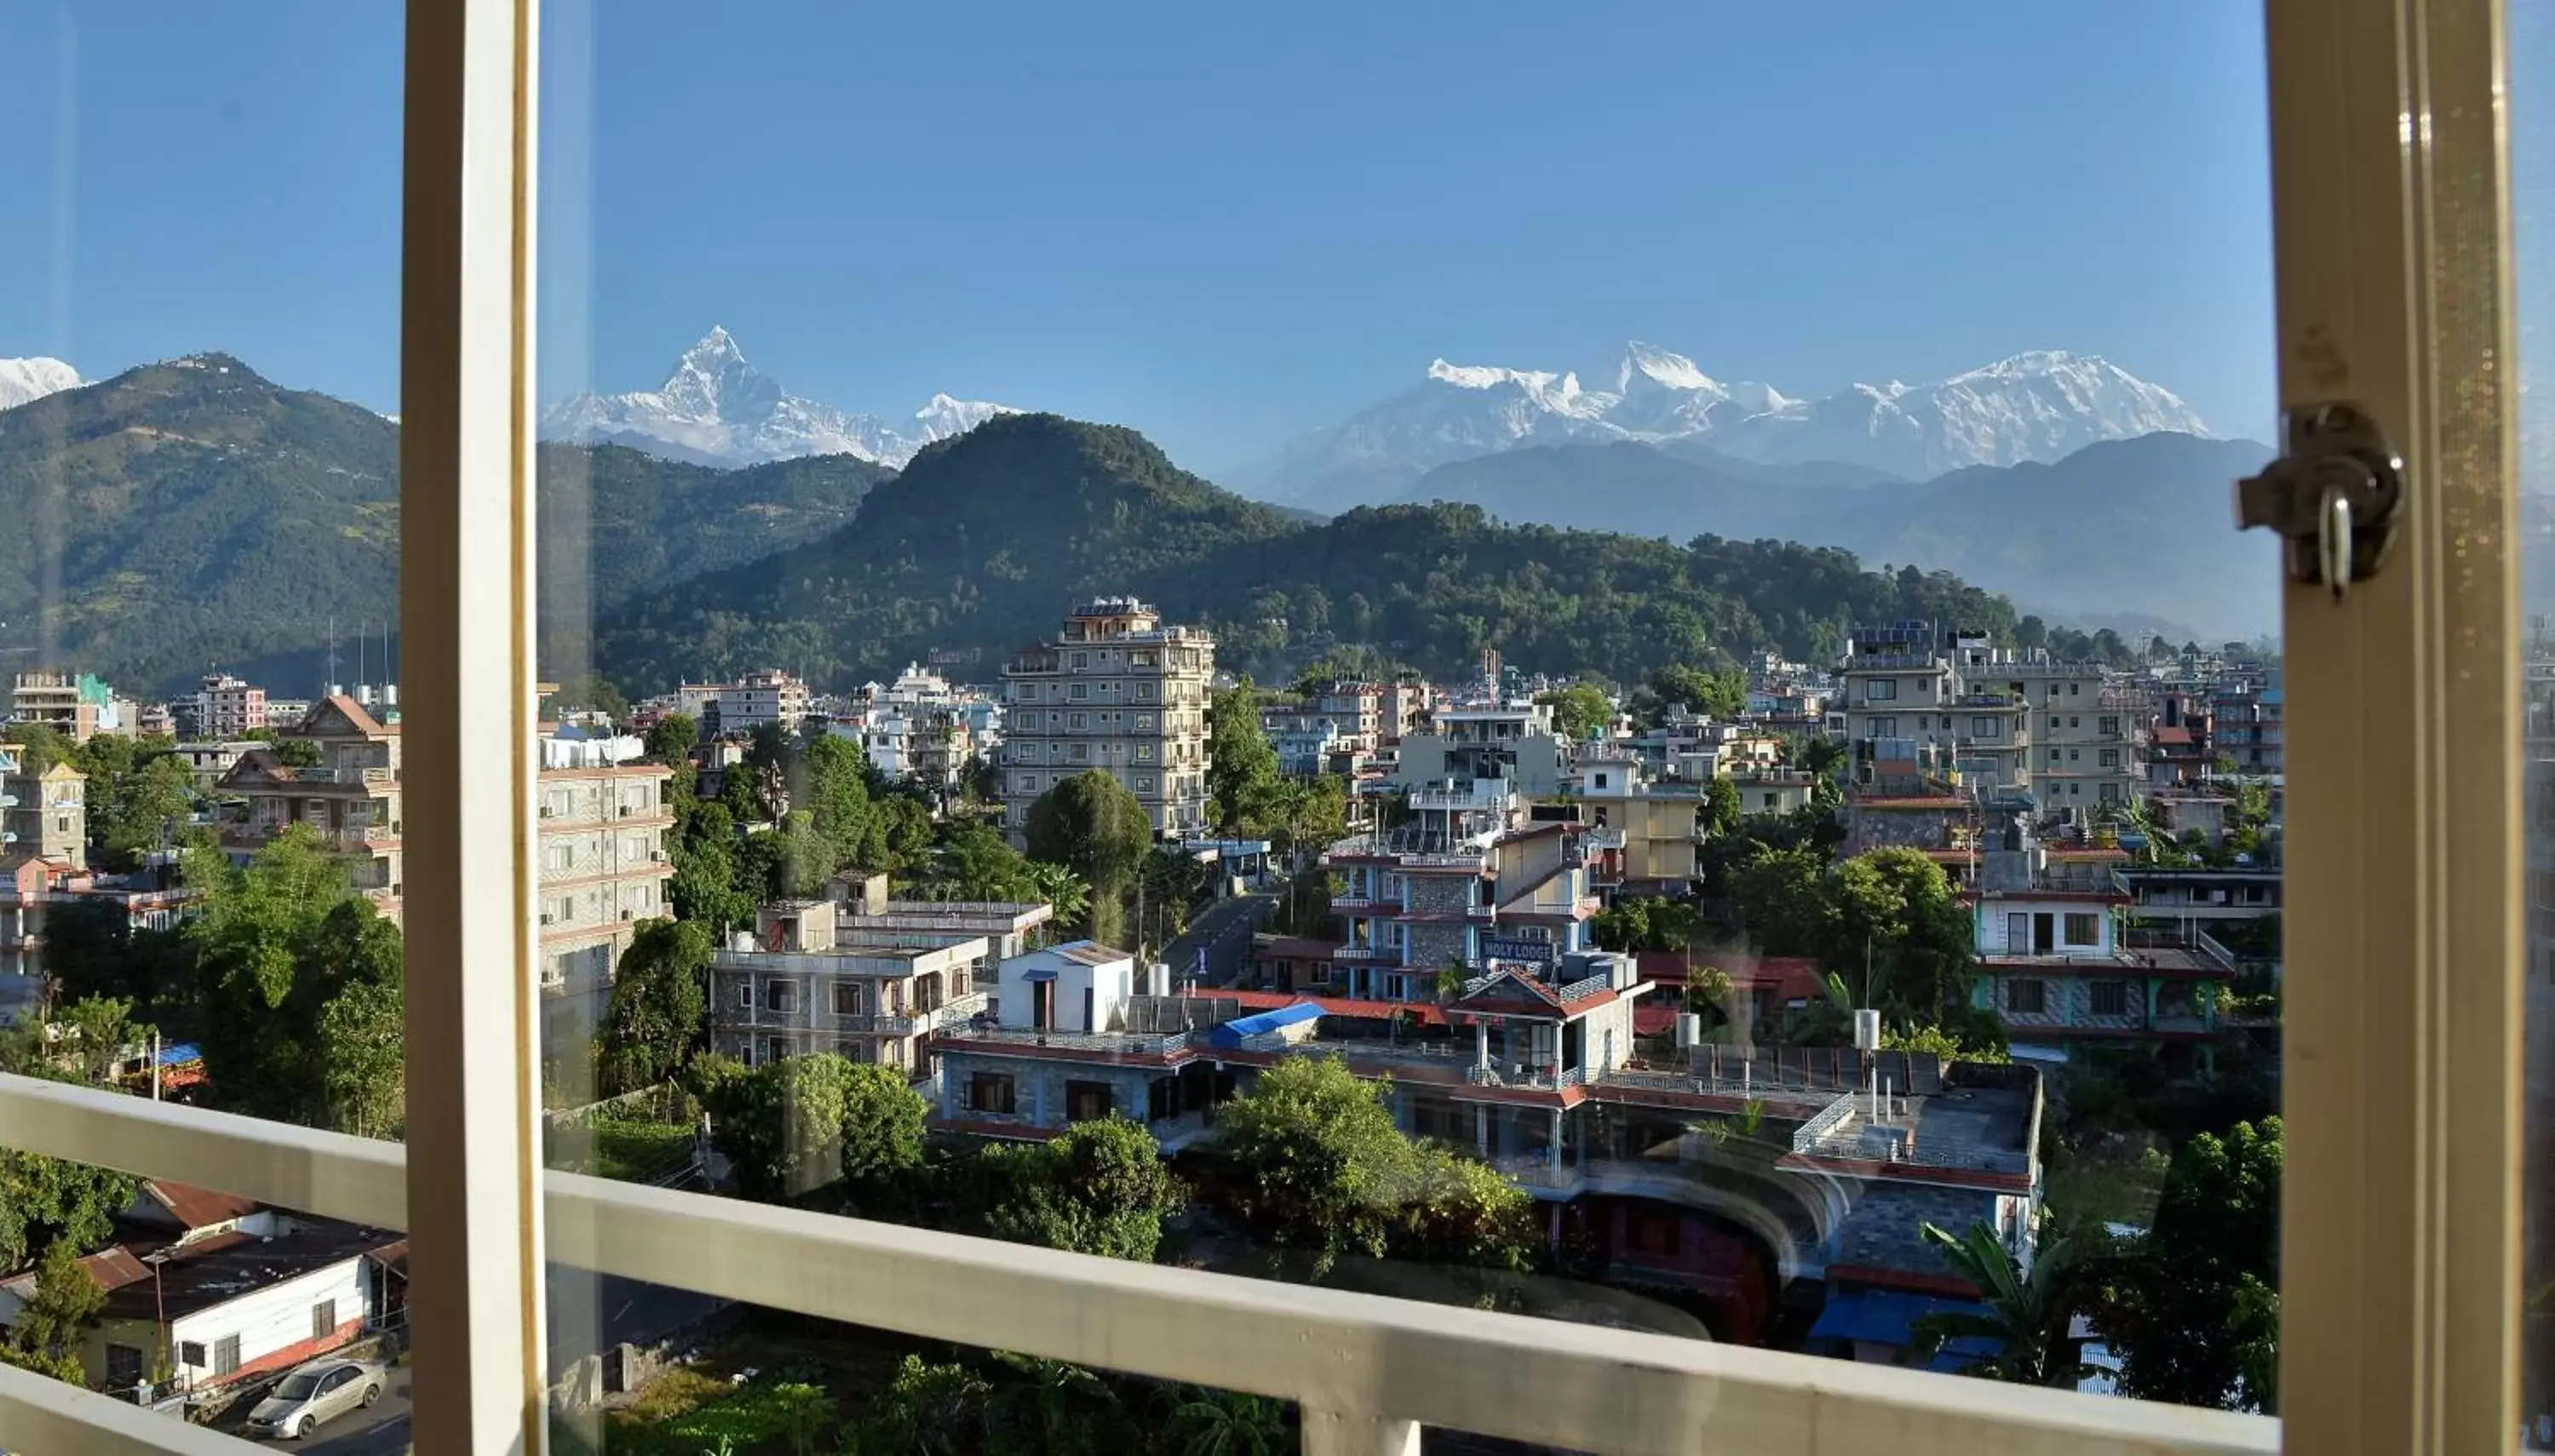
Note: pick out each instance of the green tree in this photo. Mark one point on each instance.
(92, 949)
(2193, 1305)
(976, 863)
(1580, 712)
(362, 1056)
(1064, 891)
(1210, 1422)
(594, 693)
(1311, 1159)
(882, 1129)
(1704, 694)
(1722, 809)
(64, 1305)
(2026, 1315)
(1094, 826)
(671, 740)
(659, 1008)
(708, 885)
(1241, 766)
(277, 941)
(926, 1410)
(138, 798)
(1102, 1189)
(99, 1031)
(793, 1125)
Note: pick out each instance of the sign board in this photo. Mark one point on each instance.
(1534, 953)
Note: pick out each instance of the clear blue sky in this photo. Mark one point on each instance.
(1219, 224)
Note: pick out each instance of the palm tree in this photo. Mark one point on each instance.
(2027, 1315)
(1062, 889)
(1205, 1422)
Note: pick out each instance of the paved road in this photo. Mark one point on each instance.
(1222, 933)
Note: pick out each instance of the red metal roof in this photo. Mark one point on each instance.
(197, 1208)
(1428, 1012)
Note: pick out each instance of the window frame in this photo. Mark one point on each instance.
(2401, 1195)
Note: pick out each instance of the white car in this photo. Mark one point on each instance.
(315, 1394)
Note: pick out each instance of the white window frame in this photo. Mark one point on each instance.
(2401, 1208)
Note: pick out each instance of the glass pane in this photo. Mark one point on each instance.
(1186, 693)
(200, 813)
(2532, 164)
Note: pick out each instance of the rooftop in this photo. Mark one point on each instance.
(216, 1270)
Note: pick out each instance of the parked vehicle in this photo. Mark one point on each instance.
(315, 1395)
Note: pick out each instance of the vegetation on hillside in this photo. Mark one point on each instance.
(985, 538)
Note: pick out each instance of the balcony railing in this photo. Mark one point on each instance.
(1366, 1371)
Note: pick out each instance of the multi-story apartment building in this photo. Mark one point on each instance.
(1431, 901)
(350, 797)
(1121, 690)
(769, 696)
(792, 986)
(1510, 740)
(73, 704)
(2060, 966)
(44, 815)
(603, 818)
(228, 707)
(2251, 736)
(2010, 719)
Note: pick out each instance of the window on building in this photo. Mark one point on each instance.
(1885, 727)
(1082, 660)
(847, 998)
(775, 1048)
(989, 1092)
(226, 1350)
(2111, 998)
(2084, 929)
(2108, 725)
(2075, 721)
(2111, 758)
(2053, 723)
(1080, 751)
(2027, 997)
(324, 1319)
(779, 995)
(1984, 728)
(745, 995)
(1079, 691)
(1145, 783)
(1088, 1102)
(1881, 690)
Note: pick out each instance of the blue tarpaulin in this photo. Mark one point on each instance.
(180, 1054)
(1232, 1032)
(1886, 1317)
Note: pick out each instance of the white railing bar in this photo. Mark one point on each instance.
(331, 1174)
(42, 1416)
(1365, 1363)
(1371, 1362)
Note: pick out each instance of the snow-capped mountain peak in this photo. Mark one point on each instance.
(718, 409)
(24, 380)
(944, 417)
(2039, 405)
(1648, 365)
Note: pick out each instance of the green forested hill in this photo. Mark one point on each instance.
(983, 539)
(191, 512)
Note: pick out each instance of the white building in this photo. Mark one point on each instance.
(1079, 986)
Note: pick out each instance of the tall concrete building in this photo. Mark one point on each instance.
(1118, 689)
(349, 798)
(2063, 731)
(603, 868)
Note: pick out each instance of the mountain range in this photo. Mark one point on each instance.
(2129, 526)
(2033, 407)
(715, 409)
(981, 540)
(191, 514)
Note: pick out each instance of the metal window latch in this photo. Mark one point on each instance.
(2335, 495)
